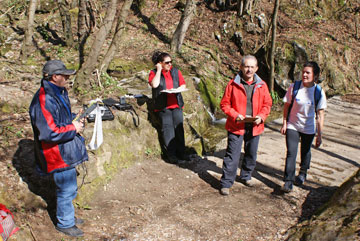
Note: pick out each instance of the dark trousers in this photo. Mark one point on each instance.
(172, 131)
(233, 154)
(292, 142)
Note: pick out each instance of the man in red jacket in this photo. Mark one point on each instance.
(247, 103)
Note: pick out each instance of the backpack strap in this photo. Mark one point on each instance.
(295, 90)
(317, 97)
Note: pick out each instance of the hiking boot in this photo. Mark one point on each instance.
(288, 187)
(247, 183)
(300, 179)
(79, 221)
(73, 231)
(225, 191)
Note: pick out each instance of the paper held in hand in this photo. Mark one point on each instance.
(174, 90)
(249, 119)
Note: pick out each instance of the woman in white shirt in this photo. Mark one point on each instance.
(303, 116)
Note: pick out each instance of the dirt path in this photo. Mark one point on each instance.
(159, 201)
(154, 200)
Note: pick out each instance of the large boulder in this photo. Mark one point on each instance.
(339, 219)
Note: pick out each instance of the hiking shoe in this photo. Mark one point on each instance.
(247, 183)
(73, 231)
(288, 187)
(300, 179)
(79, 221)
(225, 191)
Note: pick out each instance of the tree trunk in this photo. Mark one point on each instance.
(82, 29)
(273, 42)
(183, 25)
(245, 6)
(26, 46)
(357, 27)
(90, 63)
(66, 22)
(86, 23)
(240, 7)
(120, 27)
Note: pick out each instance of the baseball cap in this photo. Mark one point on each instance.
(52, 67)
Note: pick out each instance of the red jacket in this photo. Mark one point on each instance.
(233, 103)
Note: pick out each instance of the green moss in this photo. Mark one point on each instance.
(124, 68)
(208, 93)
(160, 3)
(74, 12)
(289, 53)
(31, 61)
(5, 108)
(153, 18)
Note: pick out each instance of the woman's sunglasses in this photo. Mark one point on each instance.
(168, 62)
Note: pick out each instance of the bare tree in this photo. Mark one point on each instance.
(86, 20)
(120, 27)
(81, 20)
(273, 42)
(245, 6)
(26, 46)
(357, 27)
(90, 63)
(183, 25)
(66, 22)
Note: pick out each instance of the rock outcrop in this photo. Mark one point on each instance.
(339, 219)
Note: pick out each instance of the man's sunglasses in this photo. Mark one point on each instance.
(168, 62)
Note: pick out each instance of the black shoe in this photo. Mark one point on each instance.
(173, 159)
(300, 179)
(73, 231)
(288, 187)
(79, 221)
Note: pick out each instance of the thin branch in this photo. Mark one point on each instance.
(7, 11)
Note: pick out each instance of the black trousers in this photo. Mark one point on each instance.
(292, 142)
(172, 131)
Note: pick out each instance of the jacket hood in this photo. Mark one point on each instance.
(237, 79)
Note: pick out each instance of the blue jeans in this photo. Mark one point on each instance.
(66, 191)
(233, 154)
(172, 131)
(292, 142)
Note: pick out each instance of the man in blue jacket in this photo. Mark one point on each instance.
(58, 144)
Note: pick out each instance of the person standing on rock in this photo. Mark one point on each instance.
(168, 106)
(303, 116)
(247, 103)
(58, 144)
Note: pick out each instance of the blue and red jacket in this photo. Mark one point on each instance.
(57, 146)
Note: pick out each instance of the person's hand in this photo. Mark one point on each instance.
(239, 118)
(158, 67)
(258, 120)
(283, 129)
(79, 125)
(318, 141)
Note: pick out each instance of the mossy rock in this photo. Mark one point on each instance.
(4, 48)
(124, 68)
(339, 219)
(114, 154)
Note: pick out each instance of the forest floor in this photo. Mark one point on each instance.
(155, 200)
